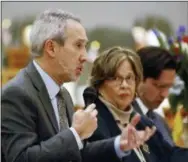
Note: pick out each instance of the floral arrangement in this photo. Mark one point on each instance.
(178, 47)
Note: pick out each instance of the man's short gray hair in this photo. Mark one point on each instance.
(49, 25)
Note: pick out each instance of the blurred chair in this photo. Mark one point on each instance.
(17, 58)
(8, 73)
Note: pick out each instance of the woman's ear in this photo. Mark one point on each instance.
(135, 95)
(139, 89)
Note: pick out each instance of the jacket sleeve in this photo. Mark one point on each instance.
(100, 147)
(165, 125)
(19, 139)
(100, 151)
(179, 154)
(163, 149)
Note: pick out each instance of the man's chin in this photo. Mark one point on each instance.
(75, 78)
(156, 106)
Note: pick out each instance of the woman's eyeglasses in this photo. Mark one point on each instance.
(130, 79)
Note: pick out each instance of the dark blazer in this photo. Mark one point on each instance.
(155, 150)
(29, 130)
(162, 121)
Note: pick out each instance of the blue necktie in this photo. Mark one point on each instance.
(160, 126)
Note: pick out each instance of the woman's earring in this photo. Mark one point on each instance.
(136, 94)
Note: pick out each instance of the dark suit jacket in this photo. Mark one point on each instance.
(164, 124)
(158, 150)
(29, 131)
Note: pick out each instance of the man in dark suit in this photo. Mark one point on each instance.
(159, 70)
(38, 124)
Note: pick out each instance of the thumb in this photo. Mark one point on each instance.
(90, 108)
(135, 120)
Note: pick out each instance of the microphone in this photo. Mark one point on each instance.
(89, 95)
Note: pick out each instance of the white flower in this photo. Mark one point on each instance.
(178, 86)
(185, 47)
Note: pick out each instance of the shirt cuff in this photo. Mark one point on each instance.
(119, 152)
(78, 140)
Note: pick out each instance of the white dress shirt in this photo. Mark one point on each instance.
(142, 106)
(53, 88)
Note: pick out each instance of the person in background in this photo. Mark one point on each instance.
(38, 123)
(159, 72)
(115, 86)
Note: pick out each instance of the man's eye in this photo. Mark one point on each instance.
(164, 86)
(119, 78)
(79, 45)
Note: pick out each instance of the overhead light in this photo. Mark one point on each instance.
(6, 23)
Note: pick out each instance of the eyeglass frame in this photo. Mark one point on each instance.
(121, 79)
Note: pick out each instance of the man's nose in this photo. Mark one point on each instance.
(165, 93)
(83, 57)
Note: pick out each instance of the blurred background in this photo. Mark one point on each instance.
(127, 24)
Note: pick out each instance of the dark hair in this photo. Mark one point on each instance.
(155, 60)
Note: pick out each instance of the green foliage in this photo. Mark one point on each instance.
(154, 21)
(179, 93)
(183, 73)
(109, 36)
(17, 28)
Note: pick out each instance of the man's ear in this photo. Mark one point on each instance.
(50, 47)
(139, 88)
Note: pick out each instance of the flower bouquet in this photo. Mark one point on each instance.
(178, 47)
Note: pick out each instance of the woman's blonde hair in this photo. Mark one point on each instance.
(107, 63)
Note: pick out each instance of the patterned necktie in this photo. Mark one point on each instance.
(160, 126)
(62, 110)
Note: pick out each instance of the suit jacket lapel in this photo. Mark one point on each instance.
(114, 129)
(43, 94)
(137, 107)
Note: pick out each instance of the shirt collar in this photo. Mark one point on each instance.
(121, 116)
(51, 86)
(142, 106)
